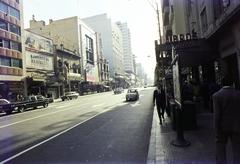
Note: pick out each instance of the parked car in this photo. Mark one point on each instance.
(132, 94)
(70, 96)
(28, 102)
(40, 97)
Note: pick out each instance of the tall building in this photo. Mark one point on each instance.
(76, 50)
(111, 42)
(127, 48)
(11, 56)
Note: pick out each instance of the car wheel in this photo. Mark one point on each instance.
(45, 105)
(21, 109)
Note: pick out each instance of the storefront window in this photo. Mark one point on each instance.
(16, 63)
(3, 25)
(15, 29)
(14, 12)
(3, 7)
(5, 61)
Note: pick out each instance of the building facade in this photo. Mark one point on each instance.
(39, 63)
(11, 56)
(76, 49)
(111, 42)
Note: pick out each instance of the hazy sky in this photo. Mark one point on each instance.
(139, 14)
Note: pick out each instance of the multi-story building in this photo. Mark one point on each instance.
(39, 64)
(76, 48)
(204, 37)
(103, 66)
(11, 56)
(127, 51)
(220, 22)
(111, 42)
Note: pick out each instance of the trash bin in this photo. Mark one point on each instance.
(189, 115)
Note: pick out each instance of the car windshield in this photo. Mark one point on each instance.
(132, 91)
(2, 101)
(119, 81)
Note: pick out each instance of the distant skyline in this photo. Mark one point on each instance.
(139, 15)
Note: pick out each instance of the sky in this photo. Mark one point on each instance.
(140, 16)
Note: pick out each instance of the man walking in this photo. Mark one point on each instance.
(226, 106)
(159, 99)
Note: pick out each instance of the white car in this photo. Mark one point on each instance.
(132, 94)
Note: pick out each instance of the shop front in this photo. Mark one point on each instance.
(10, 89)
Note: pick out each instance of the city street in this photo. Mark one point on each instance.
(94, 128)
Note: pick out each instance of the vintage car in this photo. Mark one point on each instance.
(132, 94)
(70, 96)
(28, 102)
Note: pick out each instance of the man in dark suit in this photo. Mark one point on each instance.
(226, 106)
(160, 100)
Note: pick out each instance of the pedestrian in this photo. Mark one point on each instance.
(159, 100)
(226, 103)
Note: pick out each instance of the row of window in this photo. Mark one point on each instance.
(89, 50)
(10, 62)
(9, 10)
(10, 27)
(10, 45)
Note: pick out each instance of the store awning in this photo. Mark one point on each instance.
(191, 52)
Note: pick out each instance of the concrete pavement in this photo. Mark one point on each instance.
(201, 150)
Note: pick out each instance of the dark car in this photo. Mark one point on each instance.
(132, 94)
(70, 96)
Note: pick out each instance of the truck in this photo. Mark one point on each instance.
(28, 102)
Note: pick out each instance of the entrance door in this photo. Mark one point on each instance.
(231, 66)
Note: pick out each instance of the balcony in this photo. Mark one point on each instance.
(12, 3)
(10, 36)
(10, 19)
(10, 53)
(11, 71)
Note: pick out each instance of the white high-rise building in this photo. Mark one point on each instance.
(127, 48)
(111, 42)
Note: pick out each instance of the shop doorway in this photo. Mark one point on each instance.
(231, 68)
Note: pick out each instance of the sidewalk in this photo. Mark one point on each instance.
(201, 150)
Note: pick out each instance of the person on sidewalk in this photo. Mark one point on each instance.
(159, 100)
(226, 106)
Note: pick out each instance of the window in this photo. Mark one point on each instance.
(5, 61)
(14, 12)
(17, 63)
(15, 29)
(3, 7)
(204, 21)
(3, 25)
(89, 50)
(4, 43)
(15, 46)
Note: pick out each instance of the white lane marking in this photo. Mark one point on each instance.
(95, 106)
(29, 119)
(49, 139)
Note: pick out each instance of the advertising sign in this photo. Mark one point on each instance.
(39, 61)
(92, 73)
(37, 43)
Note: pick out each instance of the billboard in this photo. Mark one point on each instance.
(34, 42)
(92, 73)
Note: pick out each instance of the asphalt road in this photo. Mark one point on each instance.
(100, 128)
